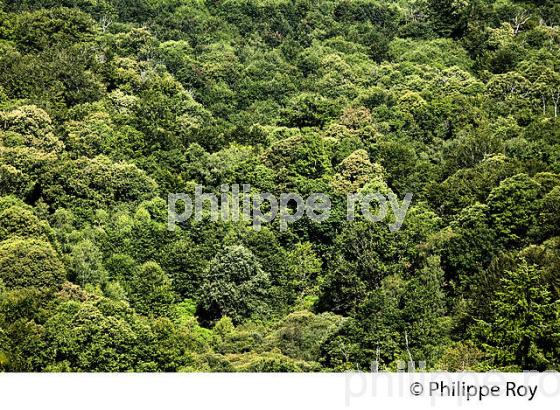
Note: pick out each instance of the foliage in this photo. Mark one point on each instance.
(107, 106)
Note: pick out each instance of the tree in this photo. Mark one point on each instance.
(309, 110)
(30, 262)
(523, 330)
(549, 215)
(304, 269)
(29, 126)
(468, 246)
(20, 320)
(92, 336)
(234, 285)
(364, 254)
(185, 263)
(86, 264)
(13, 181)
(427, 329)
(39, 29)
(4, 340)
(301, 334)
(400, 320)
(304, 156)
(443, 52)
(449, 18)
(151, 291)
(99, 182)
(21, 222)
(513, 207)
(355, 171)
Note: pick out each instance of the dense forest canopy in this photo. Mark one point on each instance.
(107, 106)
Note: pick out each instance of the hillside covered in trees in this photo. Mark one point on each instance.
(107, 106)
